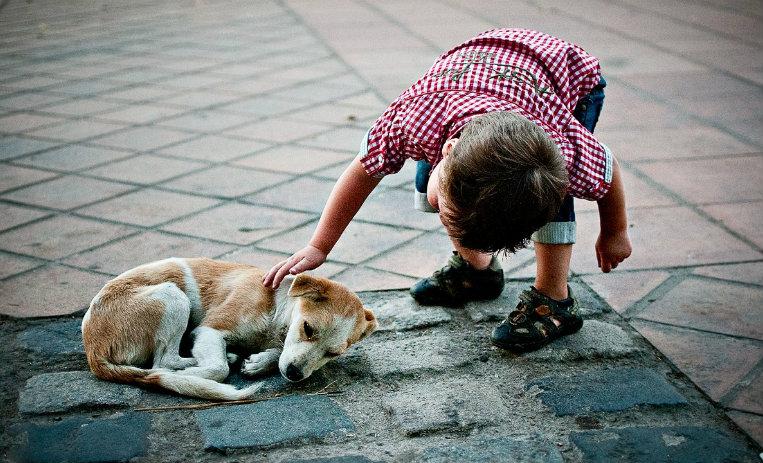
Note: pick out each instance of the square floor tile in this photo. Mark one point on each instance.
(368, 279)
(264, 260)
(714, 362)
(264, 106)
(395, 207)
(199, 98)
(239, 223)
(294, 160)
(359, 242)
(60, 236)
(11, 265)
(75, 130)
(16, 215)
(206, 121)
(20, 122)
(139, 113)
(638, 193)
(82, 107)
(332, 114)
(343, 139)
(14, 177)
(29, 100)
(143, 138)
(14, 146)
(66, 192)
(278, 130)
(48, 291)
(143, 92)
(750, 423)
(304, 194)
(750, 397)
(717, 306)
(658, 237)
(748, 273)
(743, 218)
(215, 148)
(147, 207)
(145, 169)
(418, 258)
(727, 179)
(73, 157)
(621, 290)
(226, 181)
(130, 252)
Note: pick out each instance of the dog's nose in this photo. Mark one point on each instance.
(293, 373)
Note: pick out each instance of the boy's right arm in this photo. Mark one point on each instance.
(349, 193)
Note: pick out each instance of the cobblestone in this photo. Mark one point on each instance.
(57, 338)
(605, 391)
(403, 314)
(518, 449)
(596, 340)
(404, 356)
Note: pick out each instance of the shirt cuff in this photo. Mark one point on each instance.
(608, 163)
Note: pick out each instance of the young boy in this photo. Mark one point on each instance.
(501, 126)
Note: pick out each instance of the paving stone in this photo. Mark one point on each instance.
(596, 340)
(367, 279)
(84, 440)
(428, 406)
(61, 337)
(605, 391)
(11, 265)
(67, 192)
(73, 157)
(12, 146)
(14, 177)
(749, 273)
(484, 449)
(418, 258)
(403, 313)
(145, 169)
(621, 290)
(750, 423)
(282, 421)
(684, 444)
(72, 390)
(339, 459)
(405, 356)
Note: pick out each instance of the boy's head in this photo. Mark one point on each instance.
(504, 179)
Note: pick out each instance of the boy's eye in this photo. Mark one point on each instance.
(308, 330)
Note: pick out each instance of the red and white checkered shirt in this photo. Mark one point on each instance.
(527, 72)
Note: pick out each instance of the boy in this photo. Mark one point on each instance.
(506, 120)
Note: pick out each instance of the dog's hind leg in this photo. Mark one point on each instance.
(177, 311)
(209, 348)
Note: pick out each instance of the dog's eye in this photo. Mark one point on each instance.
(330, 354)
(308, 330)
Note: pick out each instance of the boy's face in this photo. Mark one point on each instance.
(434, 192)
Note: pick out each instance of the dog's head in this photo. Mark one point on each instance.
(327, 319)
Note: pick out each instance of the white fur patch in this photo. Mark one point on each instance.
(192, 291)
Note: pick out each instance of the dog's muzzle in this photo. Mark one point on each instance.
(293, 373)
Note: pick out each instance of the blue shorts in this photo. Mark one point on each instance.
(561, 230)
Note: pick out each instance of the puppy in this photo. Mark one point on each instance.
(133, 328)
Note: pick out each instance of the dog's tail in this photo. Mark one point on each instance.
(187, 385)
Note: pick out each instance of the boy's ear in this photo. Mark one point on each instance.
(308, 287)
(371, 323)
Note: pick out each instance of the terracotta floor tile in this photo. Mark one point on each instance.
(747, 273)
(343, 139)
(395, 207)
(139, 114)
(293, 160)
(29, 100)
(239, 223)
(206, 121)
(278, 130)
(11, 265)
(716, 306)
(750, 398)
(366, 279)
(14, 177)
(15, 215)
(638, 193)
(14, 146)
(266, 259)
(147, 207)
(83, 107)
(215, 148)
(143, 138)
(711, 180)
(67, 192)
(751, 424)
(621, 290)
(418, 258)
(48, 291)
(264, 106)
(145, 169)
(332, 114)
(125, 254)
(743, 218)
(20, 122)
(226, 181)
(659, 239)
(359, 241)
(199, 98)
(60, 236)
(80, 129)
(304, 194)
(714, 362)
(144, 92)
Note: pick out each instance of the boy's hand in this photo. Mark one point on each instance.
(306, 258)
(611, 249)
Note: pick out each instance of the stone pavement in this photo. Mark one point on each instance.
(132, 131)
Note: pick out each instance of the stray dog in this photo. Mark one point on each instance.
(139, 318)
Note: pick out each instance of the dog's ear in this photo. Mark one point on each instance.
(308, 287)
(371, 323)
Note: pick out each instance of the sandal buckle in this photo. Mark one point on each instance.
(517, 318)
(543, 310)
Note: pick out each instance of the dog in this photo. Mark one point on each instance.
(134, 326)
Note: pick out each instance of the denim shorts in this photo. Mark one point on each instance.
(561, 230)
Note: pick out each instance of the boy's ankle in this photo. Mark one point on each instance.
(556, 293)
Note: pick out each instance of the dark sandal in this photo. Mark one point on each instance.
(532, 326)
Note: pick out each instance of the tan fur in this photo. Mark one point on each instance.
(119, 329)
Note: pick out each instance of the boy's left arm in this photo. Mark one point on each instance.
(613, 245)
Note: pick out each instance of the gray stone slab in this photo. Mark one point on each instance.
(405, 356)
(497, 309)
(80, 439)
(282, 421)
(56, 338)
(596, 340)
(683, 444)
(433, 405)
(339, 459)
(605, 391)
(73, 390)
(403, 313)
(516, 449)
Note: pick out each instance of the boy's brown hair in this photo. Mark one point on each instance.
(504, 179)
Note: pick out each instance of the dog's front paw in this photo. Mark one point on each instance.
(232, 358)
(258, 364)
